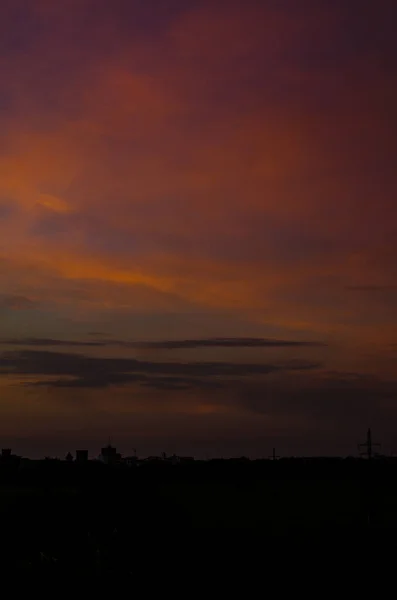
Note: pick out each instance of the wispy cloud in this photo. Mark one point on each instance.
(228, 343)
(169, 344)
(372, 288)
(43, 342)
(77, 370)
(16, 302)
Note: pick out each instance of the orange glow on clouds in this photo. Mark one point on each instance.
(195, 159)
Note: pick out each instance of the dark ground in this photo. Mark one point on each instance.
(92, 519)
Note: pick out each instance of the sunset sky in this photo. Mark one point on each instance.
(198, 226)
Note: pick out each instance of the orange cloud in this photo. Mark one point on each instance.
(201, 166)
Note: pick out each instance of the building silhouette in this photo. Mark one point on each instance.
(109, 455)
(7, 457)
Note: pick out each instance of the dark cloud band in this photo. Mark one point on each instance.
(77, 370)
(169, 344)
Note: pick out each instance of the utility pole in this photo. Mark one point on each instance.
(368, 445)
(274, 456)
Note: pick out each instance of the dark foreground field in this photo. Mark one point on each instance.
(59, 517)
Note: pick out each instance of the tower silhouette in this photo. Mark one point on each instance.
(368, 445)
(274, 455)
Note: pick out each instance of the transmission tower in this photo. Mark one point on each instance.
(368, 445)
